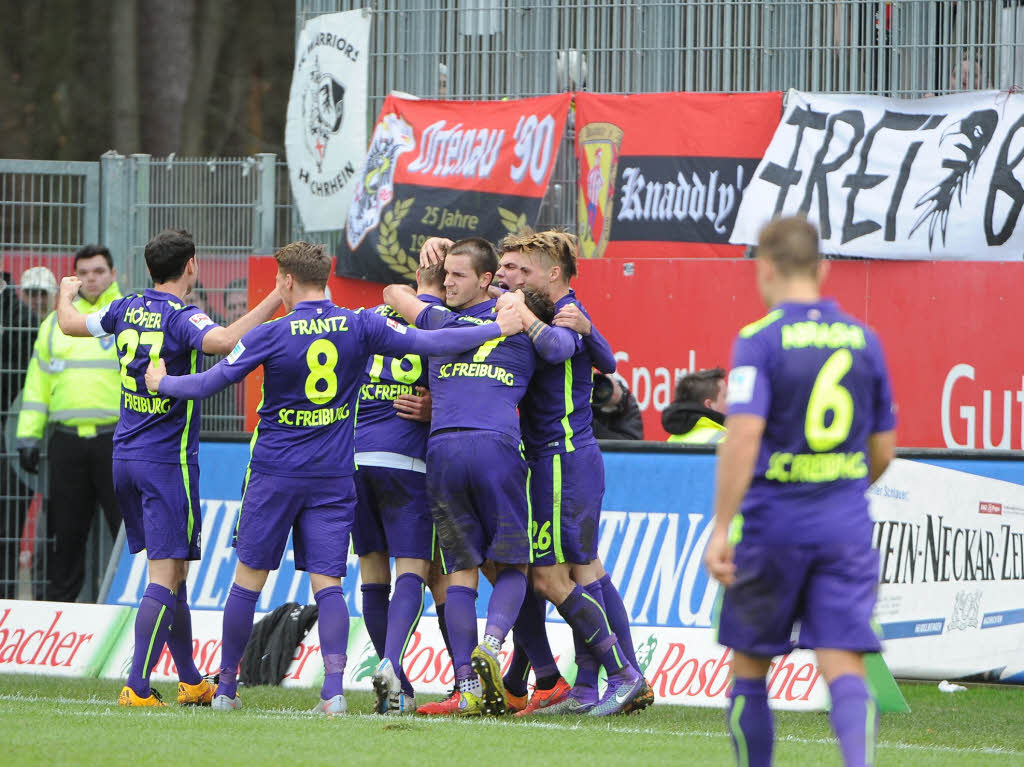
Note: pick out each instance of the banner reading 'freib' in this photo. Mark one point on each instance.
(451, 169)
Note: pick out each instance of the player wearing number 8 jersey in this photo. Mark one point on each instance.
(156, 444)
(300, 472)
(810, 427)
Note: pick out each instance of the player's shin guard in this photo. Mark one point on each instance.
(506, 601)
(152, 623)
(618, 618)
(375, 614)
(403, 617)
(238, 613)
(332, 622)
(585, 615)
(854, 720)
(460, 614)
(750, 723)
(179, 639)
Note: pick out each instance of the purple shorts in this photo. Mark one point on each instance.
(476, 484)
(566, 490)
(160, 506)
(392, 514)
(829, 588)
(318, 511)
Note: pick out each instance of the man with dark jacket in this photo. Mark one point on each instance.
(697, 414)
(616, 412)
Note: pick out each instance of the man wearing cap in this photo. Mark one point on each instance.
(38, 290)
(75, 384)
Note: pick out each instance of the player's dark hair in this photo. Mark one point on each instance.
(791, 245)
(699, 386)
(168, 253)
(540, 305)
(309, 264)
(93, 250)
(481, 254)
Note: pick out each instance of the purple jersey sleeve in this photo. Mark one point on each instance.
(884, 418)
(396, 339)
(192, 325)
(749, 389)
(436, 316)
(555, 344)
(108, 314)
(247, 355)
(600, 350)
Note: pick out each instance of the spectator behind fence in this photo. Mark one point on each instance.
(17, 330)
(38, 290)
(616, 413)
(236, 299)
(697, 414)
(75, 384)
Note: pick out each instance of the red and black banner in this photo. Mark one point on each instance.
(662, 174)
(451, 169)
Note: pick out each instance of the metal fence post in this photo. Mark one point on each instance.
(138, 225)
(113, 203)
(264, 208)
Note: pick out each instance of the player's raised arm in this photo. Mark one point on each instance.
(244, 358)
(389, 337)
(403, 300)
(554, 345)
(72, 322)
(221, 340)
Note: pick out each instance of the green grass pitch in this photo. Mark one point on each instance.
(49, 721)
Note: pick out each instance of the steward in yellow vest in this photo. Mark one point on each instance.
(697, 414)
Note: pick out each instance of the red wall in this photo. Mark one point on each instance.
(664, 317)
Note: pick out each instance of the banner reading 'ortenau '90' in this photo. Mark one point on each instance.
(933, 178)
(452, 169)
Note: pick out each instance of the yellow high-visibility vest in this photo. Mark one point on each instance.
(71, 381)
(704, 432)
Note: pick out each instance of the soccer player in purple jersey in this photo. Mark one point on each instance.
(476, 475)
(810, 427)
(567, 483)
(156, 445)
(300, 473)
(392, 515)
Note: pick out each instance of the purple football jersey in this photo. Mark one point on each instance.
(146, 326)
(378, 426)
(818, 378)
(313, 361)
(478, 389)
(556, 413)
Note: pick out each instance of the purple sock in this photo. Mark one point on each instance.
(460, 613)
(750, 722)
(152, 622)
(179, 639)
(506, 599)
(332, 624)
(238, 612)
(529, 632)
(375, 614)
(403, 617)
(854, 719)
(518, 668)
(587, 666)
(585, 615)
(442, 625)
(618, 618)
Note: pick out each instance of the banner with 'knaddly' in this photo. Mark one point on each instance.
(661, 175)
(448, 168)
(325, 130)
(932, 178)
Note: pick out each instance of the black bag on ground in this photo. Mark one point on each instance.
(272, 644)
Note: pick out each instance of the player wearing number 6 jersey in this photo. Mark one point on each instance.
(810, 427)
(300, 472)
(156, 446)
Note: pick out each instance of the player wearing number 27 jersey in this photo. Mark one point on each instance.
(810, 427)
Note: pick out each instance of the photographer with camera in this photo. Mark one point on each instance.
(616, 412)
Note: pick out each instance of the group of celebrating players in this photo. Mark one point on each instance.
(507, 478)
